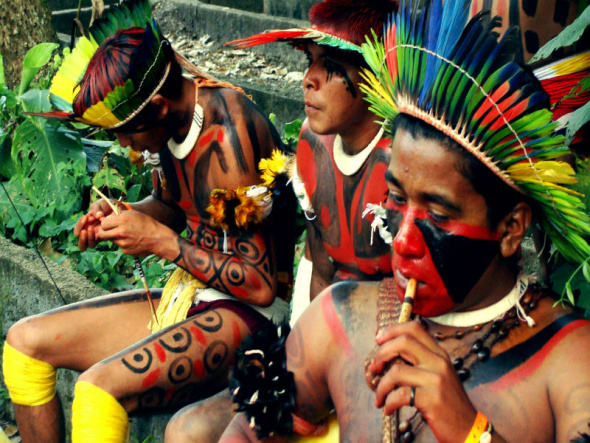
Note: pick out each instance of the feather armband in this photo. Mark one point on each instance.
(261, 385)
(247, 206)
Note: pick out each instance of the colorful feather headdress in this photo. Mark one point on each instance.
(458, 78)
(121, 96)
(341, 24)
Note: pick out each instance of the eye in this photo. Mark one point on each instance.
(395, 199)
(439, 218)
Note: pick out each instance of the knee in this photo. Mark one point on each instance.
(191, 425)
(27, 337)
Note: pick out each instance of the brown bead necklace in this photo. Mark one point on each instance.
(396, 431)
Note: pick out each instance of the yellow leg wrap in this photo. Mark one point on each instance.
(30, 382)
(331, 436)
(97, 417)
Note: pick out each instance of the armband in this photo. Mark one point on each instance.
(261, 386)
(481, 431)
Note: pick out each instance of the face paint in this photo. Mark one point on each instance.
(447, 258)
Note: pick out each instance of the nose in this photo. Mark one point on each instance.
(311, 79)
(409, 240)
(124, 140)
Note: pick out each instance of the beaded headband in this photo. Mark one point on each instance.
(458, 78)
(149, 66)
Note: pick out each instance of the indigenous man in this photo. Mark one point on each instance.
(210, 140)
(341, 152)
(341, 158)
(488, 356)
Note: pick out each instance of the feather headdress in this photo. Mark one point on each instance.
(85, 89)
(458, 78)
(341, 24)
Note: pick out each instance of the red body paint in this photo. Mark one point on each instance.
(160, 352)
(199, 369)
(206, 139)
(528, 368)
(151, 378)
(236, 333)
(334, 324)
(220, 136)
(199, 336)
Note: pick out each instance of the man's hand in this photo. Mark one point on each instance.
(87, 227)
(439, 394)
(135, 233)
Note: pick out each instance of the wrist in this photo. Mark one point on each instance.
(481, 430)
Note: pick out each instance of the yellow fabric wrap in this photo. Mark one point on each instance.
(332, 436)
(30, 382)
(169, 315)
(97, 417)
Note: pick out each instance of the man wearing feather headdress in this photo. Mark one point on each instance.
(213, 145)
(341, 152)
(487, 356)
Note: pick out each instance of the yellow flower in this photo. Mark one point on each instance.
(248, 211)
(271, 167)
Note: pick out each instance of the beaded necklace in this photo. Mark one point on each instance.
(388, 310)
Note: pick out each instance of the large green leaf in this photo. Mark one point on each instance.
(36, 100)
(35, 59)
(37, 150)
(567, 37)
(579, 118)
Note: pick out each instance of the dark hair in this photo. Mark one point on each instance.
(499, 196)
(109, 68)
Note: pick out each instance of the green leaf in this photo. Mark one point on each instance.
(579, 118)
(109, 178)
(36, 100)
(37, 151)
(580, 87)
(567, 37)
(292, 129)
(586, 271)
(2, 79)
(34, 60)
(570, 293)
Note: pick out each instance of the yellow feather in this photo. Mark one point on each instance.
(99, 115)
(546, 171)
(65, 82)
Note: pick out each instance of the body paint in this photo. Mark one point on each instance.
(447, 260)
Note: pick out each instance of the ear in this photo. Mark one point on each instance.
(163, 105)
(513, 228)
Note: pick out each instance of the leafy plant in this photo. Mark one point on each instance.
(47, 169)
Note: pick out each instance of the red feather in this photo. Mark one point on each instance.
(54, 114)
(268, 37)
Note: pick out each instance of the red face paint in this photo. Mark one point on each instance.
(446, 258)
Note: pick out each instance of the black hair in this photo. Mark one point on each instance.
(499, 196)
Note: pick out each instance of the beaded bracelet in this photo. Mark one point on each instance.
(481, 431)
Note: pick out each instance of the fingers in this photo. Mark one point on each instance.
(408, 341)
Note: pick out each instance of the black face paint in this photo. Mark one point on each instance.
(460, 261)
(335, 68)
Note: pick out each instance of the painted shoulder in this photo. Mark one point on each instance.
(551, 343)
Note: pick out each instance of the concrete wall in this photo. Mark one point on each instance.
(26, 289)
